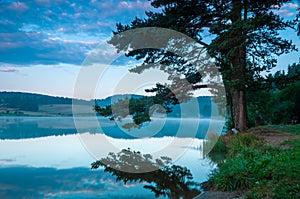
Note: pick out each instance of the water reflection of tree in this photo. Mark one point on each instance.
(164, 178)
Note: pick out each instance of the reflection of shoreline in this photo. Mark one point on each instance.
(68, 152)
(30, 127)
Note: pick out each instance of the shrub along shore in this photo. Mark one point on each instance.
(262, 163)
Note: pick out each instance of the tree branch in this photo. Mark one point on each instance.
(194, 87)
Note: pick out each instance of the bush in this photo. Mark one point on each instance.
(242, 142)
(265, 172)
(219, 147)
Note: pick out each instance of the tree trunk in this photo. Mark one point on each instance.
(239, 109)
(238, 60)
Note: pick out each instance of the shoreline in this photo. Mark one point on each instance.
(271, 137)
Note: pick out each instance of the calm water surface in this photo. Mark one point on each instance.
(47, 157)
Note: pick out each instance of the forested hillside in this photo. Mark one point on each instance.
(18, 103)
(29, 101)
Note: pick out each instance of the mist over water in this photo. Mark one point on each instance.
(47, 155)
(34, 127)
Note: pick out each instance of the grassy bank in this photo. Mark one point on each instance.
(260, 170)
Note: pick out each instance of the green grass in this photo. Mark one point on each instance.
(260, 170)
(240, 143)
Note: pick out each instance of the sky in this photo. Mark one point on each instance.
(44, 43)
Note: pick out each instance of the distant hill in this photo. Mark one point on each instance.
(204, 103)
(18, 103)
(29, 101)
(107, 101)
(29, 104)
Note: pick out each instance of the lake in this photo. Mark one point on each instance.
(51, 157)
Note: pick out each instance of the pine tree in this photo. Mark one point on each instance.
(246, 40)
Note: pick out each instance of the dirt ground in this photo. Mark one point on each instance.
(273, 137)
(220, 195)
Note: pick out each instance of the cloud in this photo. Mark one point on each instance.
(18, 6)
(43, 2)
(59, 31)
(285, 12)
(8, 70)
(5, 161)
(29, 182)
(32, 46)
(134, 5)
(74, 41)
(290, 5)
(10, 45)
(287, 9)
(49, 181)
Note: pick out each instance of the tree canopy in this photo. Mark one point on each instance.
(275, 97)
(245, 41)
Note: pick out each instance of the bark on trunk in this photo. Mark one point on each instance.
(238, 60)
(242, 125)
(239, 109)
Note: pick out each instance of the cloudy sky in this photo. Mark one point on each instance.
(43, 43)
